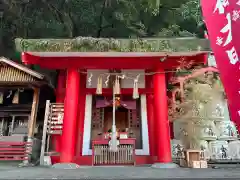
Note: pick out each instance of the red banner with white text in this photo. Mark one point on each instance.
(222, 18)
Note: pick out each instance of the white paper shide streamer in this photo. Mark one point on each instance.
(99, 85)
(116, 88)
(135, 88)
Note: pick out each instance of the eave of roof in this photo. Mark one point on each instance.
(114, 54)
(22, 68)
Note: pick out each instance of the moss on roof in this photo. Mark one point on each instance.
(89, 44)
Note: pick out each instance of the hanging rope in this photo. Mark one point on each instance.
(126, 75)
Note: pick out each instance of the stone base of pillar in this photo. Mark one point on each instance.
(165, 165)
(65, 166)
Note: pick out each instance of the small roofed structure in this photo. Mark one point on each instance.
(20, 105)
(14, 74)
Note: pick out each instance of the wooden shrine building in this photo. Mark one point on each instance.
(91, 71)
(21, 109)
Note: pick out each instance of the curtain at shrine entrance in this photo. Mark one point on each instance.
(102, 114)
(128, 104)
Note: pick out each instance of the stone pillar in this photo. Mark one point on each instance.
(68, 141)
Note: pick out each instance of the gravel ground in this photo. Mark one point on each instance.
(114, 173)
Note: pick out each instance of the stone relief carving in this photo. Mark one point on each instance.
(203, 145)
(203, 117)
(207, 131)
(219, 111)
(219, 150)
(234, 149)
(226, 130)
(177, 149)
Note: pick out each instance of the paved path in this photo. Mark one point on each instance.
(115, 173)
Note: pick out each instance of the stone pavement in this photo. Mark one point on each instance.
(10, 172)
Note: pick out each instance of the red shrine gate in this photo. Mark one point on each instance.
(72, 90)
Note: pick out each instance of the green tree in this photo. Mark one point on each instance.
(96, 18)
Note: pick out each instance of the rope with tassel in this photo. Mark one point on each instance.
(116, 86)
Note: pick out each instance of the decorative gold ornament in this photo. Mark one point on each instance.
(117, 102)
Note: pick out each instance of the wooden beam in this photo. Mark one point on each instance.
(44, 134)
(32, 124)
(33, 117)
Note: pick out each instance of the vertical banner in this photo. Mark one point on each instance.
(222, 18)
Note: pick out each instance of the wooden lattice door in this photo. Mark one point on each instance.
(135, 127)
(97, 123)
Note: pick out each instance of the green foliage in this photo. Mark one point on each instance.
(95, 18)
(89, 44)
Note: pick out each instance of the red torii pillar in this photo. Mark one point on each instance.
(60, 95)
(164, 156)
(68, 141)
(150, 116)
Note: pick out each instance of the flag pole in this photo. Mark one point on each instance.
(113, 144)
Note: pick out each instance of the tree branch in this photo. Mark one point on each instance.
(101, 19)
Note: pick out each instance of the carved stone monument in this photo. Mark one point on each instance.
(205, 124)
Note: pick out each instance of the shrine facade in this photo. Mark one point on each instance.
(85, 87)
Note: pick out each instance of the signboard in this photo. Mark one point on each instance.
(222, 18)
